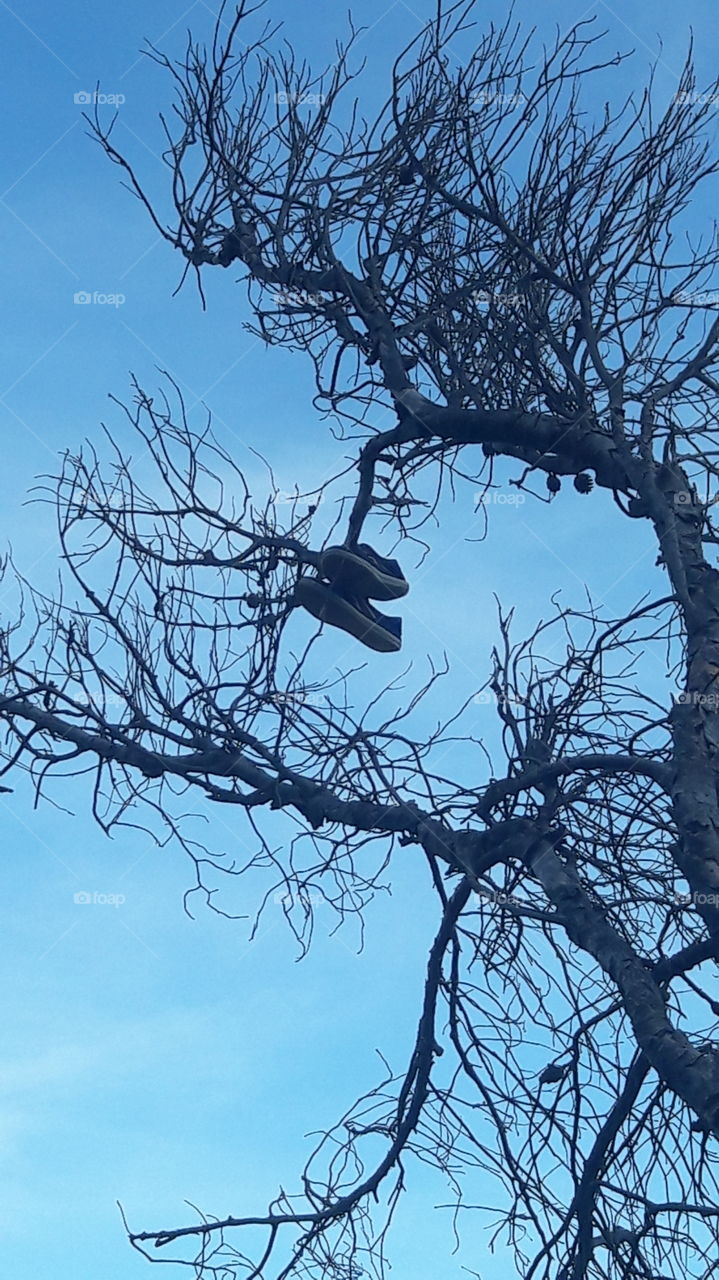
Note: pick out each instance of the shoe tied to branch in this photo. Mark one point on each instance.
(338, 608)
(363, 572)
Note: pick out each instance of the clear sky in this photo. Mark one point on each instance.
(147, 1057)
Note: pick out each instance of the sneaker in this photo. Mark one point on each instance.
(340, 609)
(364, 572)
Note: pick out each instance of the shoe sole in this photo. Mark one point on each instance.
(340, 564)
(327, 607)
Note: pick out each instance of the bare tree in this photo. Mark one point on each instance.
(490, 288)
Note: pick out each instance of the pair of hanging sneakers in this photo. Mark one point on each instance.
(351, 576)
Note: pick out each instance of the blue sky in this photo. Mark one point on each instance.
(147, 1057)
